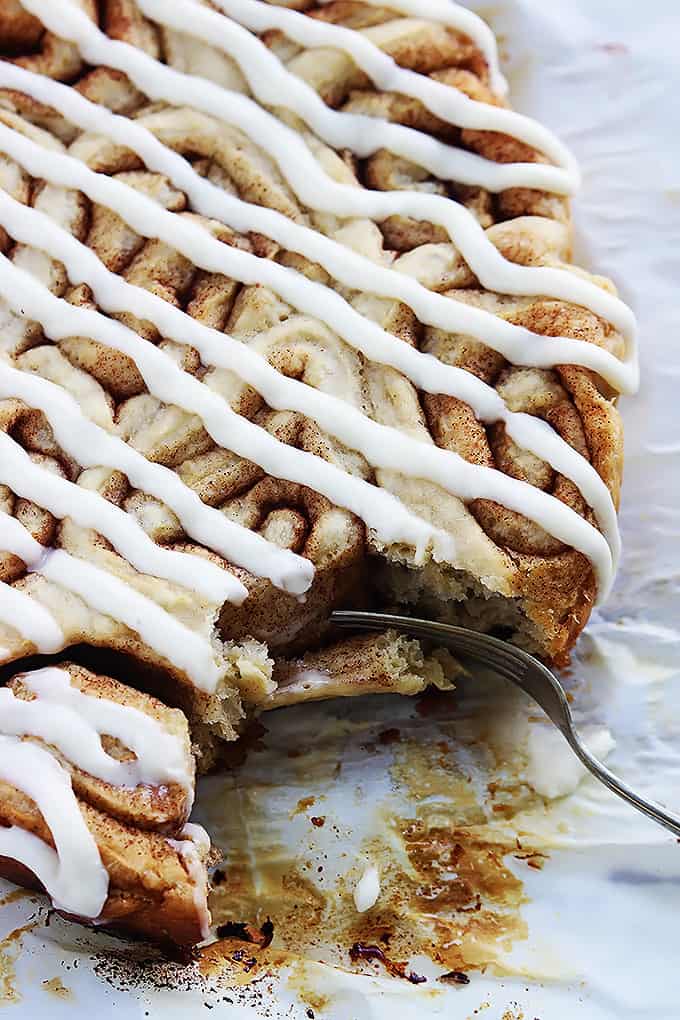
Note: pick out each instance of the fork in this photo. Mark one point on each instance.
(524, 671)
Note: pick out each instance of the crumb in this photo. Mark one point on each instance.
(302, 805)
(360, 951)
(245, 932)
(57, 987)
(391, 736)
(454, 977)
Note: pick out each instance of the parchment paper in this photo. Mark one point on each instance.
(579, 897)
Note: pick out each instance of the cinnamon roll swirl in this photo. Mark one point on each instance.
(97, 784)
(290, 322)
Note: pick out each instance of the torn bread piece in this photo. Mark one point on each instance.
(97, 783)
(386, 663)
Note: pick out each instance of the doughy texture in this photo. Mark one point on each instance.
(503, 570)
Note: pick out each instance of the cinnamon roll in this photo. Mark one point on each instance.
(97, 783)
(290, 322)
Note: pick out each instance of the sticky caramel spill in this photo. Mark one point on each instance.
(303, 805)
(55, 986)
(467, 892)
(278, 893)
(238, 964)
(447, 888)
(10, 947)
(307, 987)
(15, 896)
(459, 899)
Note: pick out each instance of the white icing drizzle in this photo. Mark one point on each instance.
(73, 722)
(338, 418)
(90, 510)
(383, 71)
(212, 201)
(383, 513)
(317, 190)
(158, 629)
(60, 714)
(386, 448)
(455, 16)
(428, 373)
(485, 401)
(193, 841)
(35, 624)
(519, 345)
(91, 446)
(367, 889)
(73, 873)
(274, 86)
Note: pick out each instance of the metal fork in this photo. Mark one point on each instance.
(523, 670)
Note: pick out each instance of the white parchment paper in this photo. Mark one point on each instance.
(601, 915)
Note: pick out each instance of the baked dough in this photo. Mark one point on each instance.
(290, 323)
(154, 868)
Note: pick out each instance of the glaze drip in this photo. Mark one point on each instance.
(287, 127)
(384, 448)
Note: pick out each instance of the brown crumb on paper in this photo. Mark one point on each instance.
(360, 951)
(303, 805)
(10, 947)
(533, 859)
(454, 977)
(55, 986)
(390, 736)
(245, 932)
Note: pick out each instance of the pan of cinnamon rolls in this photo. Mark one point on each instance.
(289, 323)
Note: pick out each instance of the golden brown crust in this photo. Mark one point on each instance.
(150, 894)
(161, 808)
(151, 891)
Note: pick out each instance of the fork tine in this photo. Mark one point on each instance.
(490, 651)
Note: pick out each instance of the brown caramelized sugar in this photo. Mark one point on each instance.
(475, 912)
(10, 948)
(458, 903)
(55, 986)
(458, 900)
(281, 893)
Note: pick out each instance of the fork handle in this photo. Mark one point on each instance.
(521, 669)
(654, 811)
